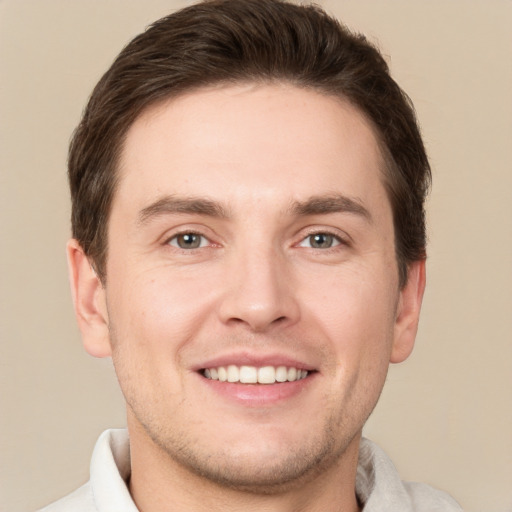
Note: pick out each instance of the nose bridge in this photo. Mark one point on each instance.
(259, 289)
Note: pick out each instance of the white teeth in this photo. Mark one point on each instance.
(255, 375)
(281, 374)
(233, 373)
(266, 375)
(222, 373)
(248, 374)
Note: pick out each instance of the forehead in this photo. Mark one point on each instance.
(249, 141)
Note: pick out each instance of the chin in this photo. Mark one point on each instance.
(262, 476)
(265, 463)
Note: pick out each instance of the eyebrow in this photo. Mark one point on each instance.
(316, 205)
(181, 205)
(335, 203)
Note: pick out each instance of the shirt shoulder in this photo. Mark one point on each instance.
(425, 498)
(109, 471)
(81, 500)
(380, 489)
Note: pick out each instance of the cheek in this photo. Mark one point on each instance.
(148, 327)
(356, 312)
(158, 311)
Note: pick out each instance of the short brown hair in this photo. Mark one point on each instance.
(233, 41)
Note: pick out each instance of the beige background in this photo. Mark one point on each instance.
(445, 415)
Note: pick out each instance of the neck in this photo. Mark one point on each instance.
(158, 483)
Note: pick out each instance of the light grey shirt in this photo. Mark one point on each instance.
(378, 485)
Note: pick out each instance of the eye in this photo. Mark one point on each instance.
(188, 241)
(320, 241)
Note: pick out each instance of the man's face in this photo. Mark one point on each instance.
(251, 238)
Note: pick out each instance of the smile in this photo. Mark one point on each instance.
(255, 375)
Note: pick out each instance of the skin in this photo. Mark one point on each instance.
(277, 165)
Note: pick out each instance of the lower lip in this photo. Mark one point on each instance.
(258, 395)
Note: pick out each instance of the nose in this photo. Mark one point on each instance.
(259, 291)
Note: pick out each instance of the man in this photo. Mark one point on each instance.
(248, 189)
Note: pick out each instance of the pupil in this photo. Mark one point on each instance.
(189, 241)
(322, 241)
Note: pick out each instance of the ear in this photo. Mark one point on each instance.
(408, 312)
(89, 301)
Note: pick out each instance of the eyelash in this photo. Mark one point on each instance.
(185, 233)
(340, 240)
(331, 237)
(336, 239)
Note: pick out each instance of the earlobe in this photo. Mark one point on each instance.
(408, 312)
(89, 302)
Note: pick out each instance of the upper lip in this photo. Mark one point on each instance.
(251, 359)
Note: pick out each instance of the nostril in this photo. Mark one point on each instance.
(259, 307)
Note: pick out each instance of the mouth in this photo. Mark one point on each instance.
(255, 375)
(257, 380)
